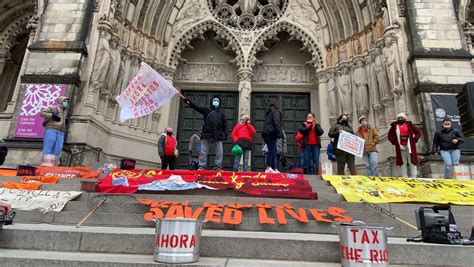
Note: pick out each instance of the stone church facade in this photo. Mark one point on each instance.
(359, 57)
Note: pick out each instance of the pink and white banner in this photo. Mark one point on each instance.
(37, 97)
(146, 93)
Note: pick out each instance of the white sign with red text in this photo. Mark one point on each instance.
(361, 246)
(146, 93)
(351, 144)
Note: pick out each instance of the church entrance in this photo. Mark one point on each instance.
(191, 120)
(294, 108)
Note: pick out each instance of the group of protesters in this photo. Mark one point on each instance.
(402, 134)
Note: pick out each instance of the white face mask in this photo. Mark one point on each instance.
(364, 123)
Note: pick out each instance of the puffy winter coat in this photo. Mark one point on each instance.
(443, 139)
(334, 133)
(47, 114)
(215, 124)
(272, 127)
(305, 130)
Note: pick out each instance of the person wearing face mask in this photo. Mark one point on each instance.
(371, 137)
(311, 144)
(167, 149)
(404, 135)
(55, 125)
(342, 158)
(214, 131)
(242, 135)
(447, 141)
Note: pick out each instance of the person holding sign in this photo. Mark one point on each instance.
(55, 124)
(242, 135)
(342, 157)
(404, 135)
(214, 131)
(447, 141)
(311, 143)
(167, 150)
(371, 137)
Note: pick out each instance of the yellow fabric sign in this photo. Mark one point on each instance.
(399, 189)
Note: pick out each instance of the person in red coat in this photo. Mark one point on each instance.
(404, 135)
(242, 135)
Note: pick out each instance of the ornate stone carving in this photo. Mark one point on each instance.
(191, 12)
(302, 12)
(332, 96)
(378, 28)
(114, 79)
(102, 63)
(201, 72)
(245, 89)
(283, 74)
(394, 71)
(379, 66)
(247, 14)
(329, 57)
(344, 90)
(361, 84)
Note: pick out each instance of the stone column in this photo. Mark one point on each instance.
(324, 120)
(245, 89)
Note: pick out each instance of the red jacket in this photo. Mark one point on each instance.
(243, 131)
(413, 136)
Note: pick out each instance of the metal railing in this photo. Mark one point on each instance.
(98, 149)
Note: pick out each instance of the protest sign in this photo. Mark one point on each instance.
(351, 144)
(42, 200)
(398, 189)
(147, 92)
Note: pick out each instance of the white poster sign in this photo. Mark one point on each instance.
(42, 200)
(351, 144)
(146, 92)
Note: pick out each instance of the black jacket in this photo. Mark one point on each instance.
(334, 133)
(443, 139)
(215, 124)
(305, 130)
(272, 127)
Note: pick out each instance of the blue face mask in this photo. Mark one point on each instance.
(65, 104)
(215, 103)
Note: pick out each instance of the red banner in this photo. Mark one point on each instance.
(254, 183)
(67, 172)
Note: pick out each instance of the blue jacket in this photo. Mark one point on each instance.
(330, 152)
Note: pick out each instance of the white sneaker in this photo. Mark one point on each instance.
(269, 170)
(276, 171)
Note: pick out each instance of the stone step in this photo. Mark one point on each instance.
(217, 244)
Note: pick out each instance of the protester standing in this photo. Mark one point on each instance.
(447, 141)
(404, 135)
(194, 150)
(55, 124)
(214, 131)
(371, 137)
(342, 157)
(242, 135)
(311, 143)
(272, 130)
(167, 149)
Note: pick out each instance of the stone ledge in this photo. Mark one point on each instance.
(61, 46)
(438, 88)
(57, 79)
(440, 53)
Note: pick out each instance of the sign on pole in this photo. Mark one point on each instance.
(146, 93)
(351, 144)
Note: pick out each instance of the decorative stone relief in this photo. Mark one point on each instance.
(300, 13)
(332, 96)
(245, 89)
(207, 72)
(283, 74)
(394, 71)
(361, 84)
(344, 90)
(191, 12)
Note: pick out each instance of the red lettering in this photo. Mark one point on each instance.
(175, 211)
(365, 237)
(318, 215)
(193, 242)
(338, 214)
(189, 214)
(349, 253)
(375, 239)
(164, 241)
(280, 212)
(184, 239)
(301, 216)
(374, 255)
(174, 241)
(357, 254)
(354, 234)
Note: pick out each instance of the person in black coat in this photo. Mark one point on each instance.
(214, 131)
(447, 141)
(342, 157)
(272, 130)
(311, 143)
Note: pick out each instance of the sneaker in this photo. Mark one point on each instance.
(201, 169)
(218, 169)
(269, 170)
(276, 171)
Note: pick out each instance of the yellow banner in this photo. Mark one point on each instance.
(399, 189)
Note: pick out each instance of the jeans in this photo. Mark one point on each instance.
(168, 162)
(53, 142)
(271, 160)
(371, 160)
(245, 167)
(406, 158)
(450, 158)
(342, 160)
(311, 158)
(205, 144)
